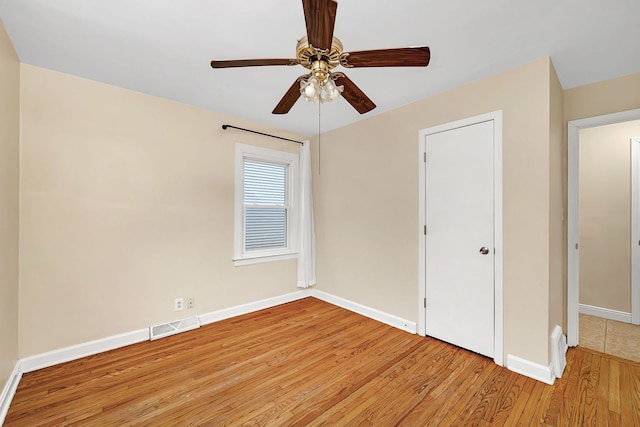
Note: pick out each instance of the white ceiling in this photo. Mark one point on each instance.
(163, 47)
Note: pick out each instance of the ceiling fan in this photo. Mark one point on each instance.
(320, 52)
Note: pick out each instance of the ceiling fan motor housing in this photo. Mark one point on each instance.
(319, 61)
(320, 70)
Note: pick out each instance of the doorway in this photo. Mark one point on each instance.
(573, 224)
(460, 242)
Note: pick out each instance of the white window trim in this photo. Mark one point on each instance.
(264, 154)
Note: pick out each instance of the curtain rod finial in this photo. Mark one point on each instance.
(224, 127)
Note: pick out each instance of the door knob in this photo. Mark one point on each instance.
(484, 250)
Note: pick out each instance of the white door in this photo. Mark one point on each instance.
(459, 246)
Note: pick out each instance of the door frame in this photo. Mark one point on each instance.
(496, 117)
(635, 231)
(573, 221)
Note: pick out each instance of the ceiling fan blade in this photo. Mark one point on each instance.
(233, 63)
(354, 95)
(320, 17)
(289, 98)
(402, 57)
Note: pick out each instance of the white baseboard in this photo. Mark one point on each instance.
(606, 313)
(67, 354)
(90, 348)
(372, 313)
(530, 369)
(238, 310)
(9, 391)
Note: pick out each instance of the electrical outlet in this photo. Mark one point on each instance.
(190, 303)
(178, 304)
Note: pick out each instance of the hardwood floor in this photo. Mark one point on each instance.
(311, 363)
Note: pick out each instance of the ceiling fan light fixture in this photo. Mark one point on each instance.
(314, 90)
(330, 91)
(310, 89)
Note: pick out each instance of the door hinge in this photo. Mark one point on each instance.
(425, 156)
(425, 230)
(424, 302)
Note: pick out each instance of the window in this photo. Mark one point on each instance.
(266, 205)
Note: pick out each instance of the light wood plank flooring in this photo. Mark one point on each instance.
(311, 363)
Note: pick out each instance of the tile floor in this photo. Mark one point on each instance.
(611, 337)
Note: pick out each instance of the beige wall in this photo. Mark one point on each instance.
(367, 202)
(557, 207)
(605, 215)
(9, 187)
(126, 204)
(606, 97)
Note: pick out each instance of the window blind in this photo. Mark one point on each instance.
(265, 205)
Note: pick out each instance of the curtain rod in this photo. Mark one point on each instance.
(260, 133)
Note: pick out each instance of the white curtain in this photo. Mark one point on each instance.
(307, 254)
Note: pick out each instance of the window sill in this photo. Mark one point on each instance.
(266, 258)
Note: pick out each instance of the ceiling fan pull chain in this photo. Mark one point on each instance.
(319, 139)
